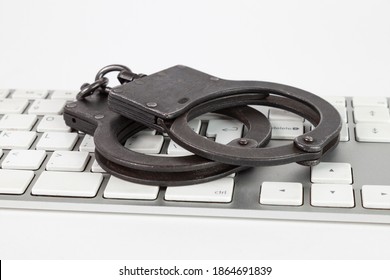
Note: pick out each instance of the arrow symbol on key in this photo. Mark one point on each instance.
(282, 190)
(331, 170)
(332, 192)
(383, 193)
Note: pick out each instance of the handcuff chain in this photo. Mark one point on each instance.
(100, 84)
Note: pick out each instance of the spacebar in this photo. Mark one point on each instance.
(75, 184)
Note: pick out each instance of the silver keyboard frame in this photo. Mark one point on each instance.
(368, 162)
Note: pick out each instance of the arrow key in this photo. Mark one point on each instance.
(332, 195)
(376, 196)
(281, 193)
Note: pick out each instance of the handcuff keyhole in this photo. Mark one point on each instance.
(73, 120)
(183, 100)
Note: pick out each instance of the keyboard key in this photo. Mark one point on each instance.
(30, 94)
(77, 184)
(68, 95)
(17, 122)
(344, 133)
(332, 195)
(262, 109)
(13, 106)
(220, 190)
(224, 131)
(281, 193)
(371, 114)
(286, 130)
(147, 131)
(15, 181)
(24, 159)
(146, 144)
(17, 139)
(62, 141)
(336, 100)
(47, 107)
(117, 188)
(282, 115)
(96, 167)
(373, 132)
(376, 196)
(67, 161)
(370, 101)
(87, 145)
(4, 93)
(343, 113)
(52, 123)
(175, 149)
(332, 173)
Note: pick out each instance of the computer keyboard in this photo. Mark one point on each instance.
(47, 166)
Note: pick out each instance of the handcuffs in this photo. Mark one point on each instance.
(169, 99)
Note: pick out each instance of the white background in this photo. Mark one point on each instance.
(326, 47)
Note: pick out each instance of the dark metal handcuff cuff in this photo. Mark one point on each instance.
(168, 99)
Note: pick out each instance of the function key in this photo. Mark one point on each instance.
(30, 94)
(68, 95)
(371, 114)
(336, 100)
(364, 101)
(373, 132)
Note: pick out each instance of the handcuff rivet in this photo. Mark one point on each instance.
(151, 104)
(308, 139)
(99, 117)
(117, 90)
(243, 141)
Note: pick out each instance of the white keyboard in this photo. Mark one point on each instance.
(45, 165)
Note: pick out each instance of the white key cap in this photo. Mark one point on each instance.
(195, 125)
(15, 181)
(62, 141)
(64, 94)
(282, 115)
(371, 114)
(343, 113)
(286, 130)
(371, 101)
(373, 132)
(332, 173)
(4, 93)
(117, 188)
(24, 159)
(224, 131)
(17, 122)
(146, 144)
(47, 107)
(87, 145)
(376, 196)
(147, 131)
(344, 133)
(52, 123)
(332, 195)
(220, 190)
(30, 94)
(336, 100)
(17, 139)
(67, 161)
(177, 150)
(281, 193)
(262, 109)
(78, 184)
(12, 106)
(96, 167)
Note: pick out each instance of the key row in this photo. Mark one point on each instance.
(38, 94)
(86, 185)
(25, 122)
